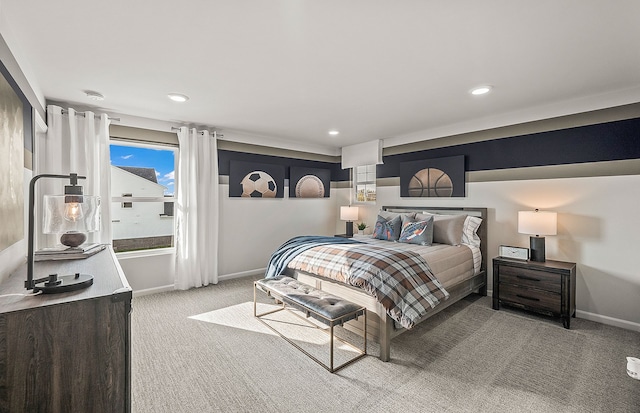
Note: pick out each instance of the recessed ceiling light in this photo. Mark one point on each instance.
(481, 90)
(177, 97)
(94, 95)
(334, 132)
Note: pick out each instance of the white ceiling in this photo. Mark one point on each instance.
(293, 70)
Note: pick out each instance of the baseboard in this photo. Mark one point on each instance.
(258, 271)
(171, 287)
(610, 321)
(616, 322)
(154, 290)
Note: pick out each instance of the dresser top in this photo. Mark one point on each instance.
(108, 279)
(544, 265)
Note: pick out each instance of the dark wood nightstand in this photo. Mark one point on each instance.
(343, 236)
(547, 287)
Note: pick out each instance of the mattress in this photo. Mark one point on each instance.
(449, 264)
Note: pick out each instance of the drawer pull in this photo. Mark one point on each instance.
(522, 277)
(527, 298)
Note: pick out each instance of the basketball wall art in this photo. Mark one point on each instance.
(440, 177)
(255, 180)
(309, 182)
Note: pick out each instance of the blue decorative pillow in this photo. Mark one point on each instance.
(417, 232)
(387, 229)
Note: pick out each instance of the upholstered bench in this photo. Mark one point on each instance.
(327, 308)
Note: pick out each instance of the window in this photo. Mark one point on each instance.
(364, 182)
(142, 191)
(127, 204)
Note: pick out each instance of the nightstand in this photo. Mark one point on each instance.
(547, 287)
(343, 236)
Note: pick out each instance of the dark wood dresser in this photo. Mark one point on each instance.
(68, 352)
(547, 287)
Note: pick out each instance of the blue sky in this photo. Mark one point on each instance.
(162, 160)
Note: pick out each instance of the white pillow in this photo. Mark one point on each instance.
(469, 235)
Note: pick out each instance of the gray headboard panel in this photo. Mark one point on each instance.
(476, 212)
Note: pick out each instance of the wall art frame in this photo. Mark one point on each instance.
(440, 177)
(309, 182)
(256, 180)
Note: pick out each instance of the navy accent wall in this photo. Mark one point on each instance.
(224, 156)
(609, 141)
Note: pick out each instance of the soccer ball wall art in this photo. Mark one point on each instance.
(258, 184)
(256, 180)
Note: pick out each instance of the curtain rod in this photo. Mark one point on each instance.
(66, 112)
(215, 133)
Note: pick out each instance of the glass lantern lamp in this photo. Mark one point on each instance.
(72, 214)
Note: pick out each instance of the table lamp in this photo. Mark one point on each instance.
(71, 214)
(537, 223)
(349, 214)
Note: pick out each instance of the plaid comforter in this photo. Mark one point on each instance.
(400, 280)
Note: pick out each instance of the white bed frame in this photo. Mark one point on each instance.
(380, 327)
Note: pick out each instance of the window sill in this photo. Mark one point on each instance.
(145, 253)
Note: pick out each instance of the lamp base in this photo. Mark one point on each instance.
(349, 229)
(537, 249)
(64, 283)
(73, 239)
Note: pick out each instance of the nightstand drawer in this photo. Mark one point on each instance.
(531, 278)
(532, 298)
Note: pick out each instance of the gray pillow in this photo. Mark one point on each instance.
(417, 232)
(387, 229)
(390, 215)
(447, 229)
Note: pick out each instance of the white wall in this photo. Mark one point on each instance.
(251, 229)
(149, 271)
(598, 228)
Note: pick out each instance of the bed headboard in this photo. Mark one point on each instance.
(476, 212)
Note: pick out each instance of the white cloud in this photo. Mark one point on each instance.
(170, 175)
(127, 156)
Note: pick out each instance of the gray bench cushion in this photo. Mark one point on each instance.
(305, 297)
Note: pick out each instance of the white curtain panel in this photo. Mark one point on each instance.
(76, 142)
(196, 210)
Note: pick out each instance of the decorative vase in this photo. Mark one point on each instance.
(360, 232)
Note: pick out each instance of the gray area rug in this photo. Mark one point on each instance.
(203, 351)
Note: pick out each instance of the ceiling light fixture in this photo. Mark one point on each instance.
(334, 132)
(177, 97)
(481, 90)
(94, 95)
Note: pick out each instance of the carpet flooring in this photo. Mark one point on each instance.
(203, 351)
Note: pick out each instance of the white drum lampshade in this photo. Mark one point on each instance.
(349, 214)
(537, 223)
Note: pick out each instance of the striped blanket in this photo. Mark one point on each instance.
(400, 280)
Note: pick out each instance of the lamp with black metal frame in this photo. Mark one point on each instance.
(69, 211)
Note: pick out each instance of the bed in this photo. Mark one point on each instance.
(454, 269)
